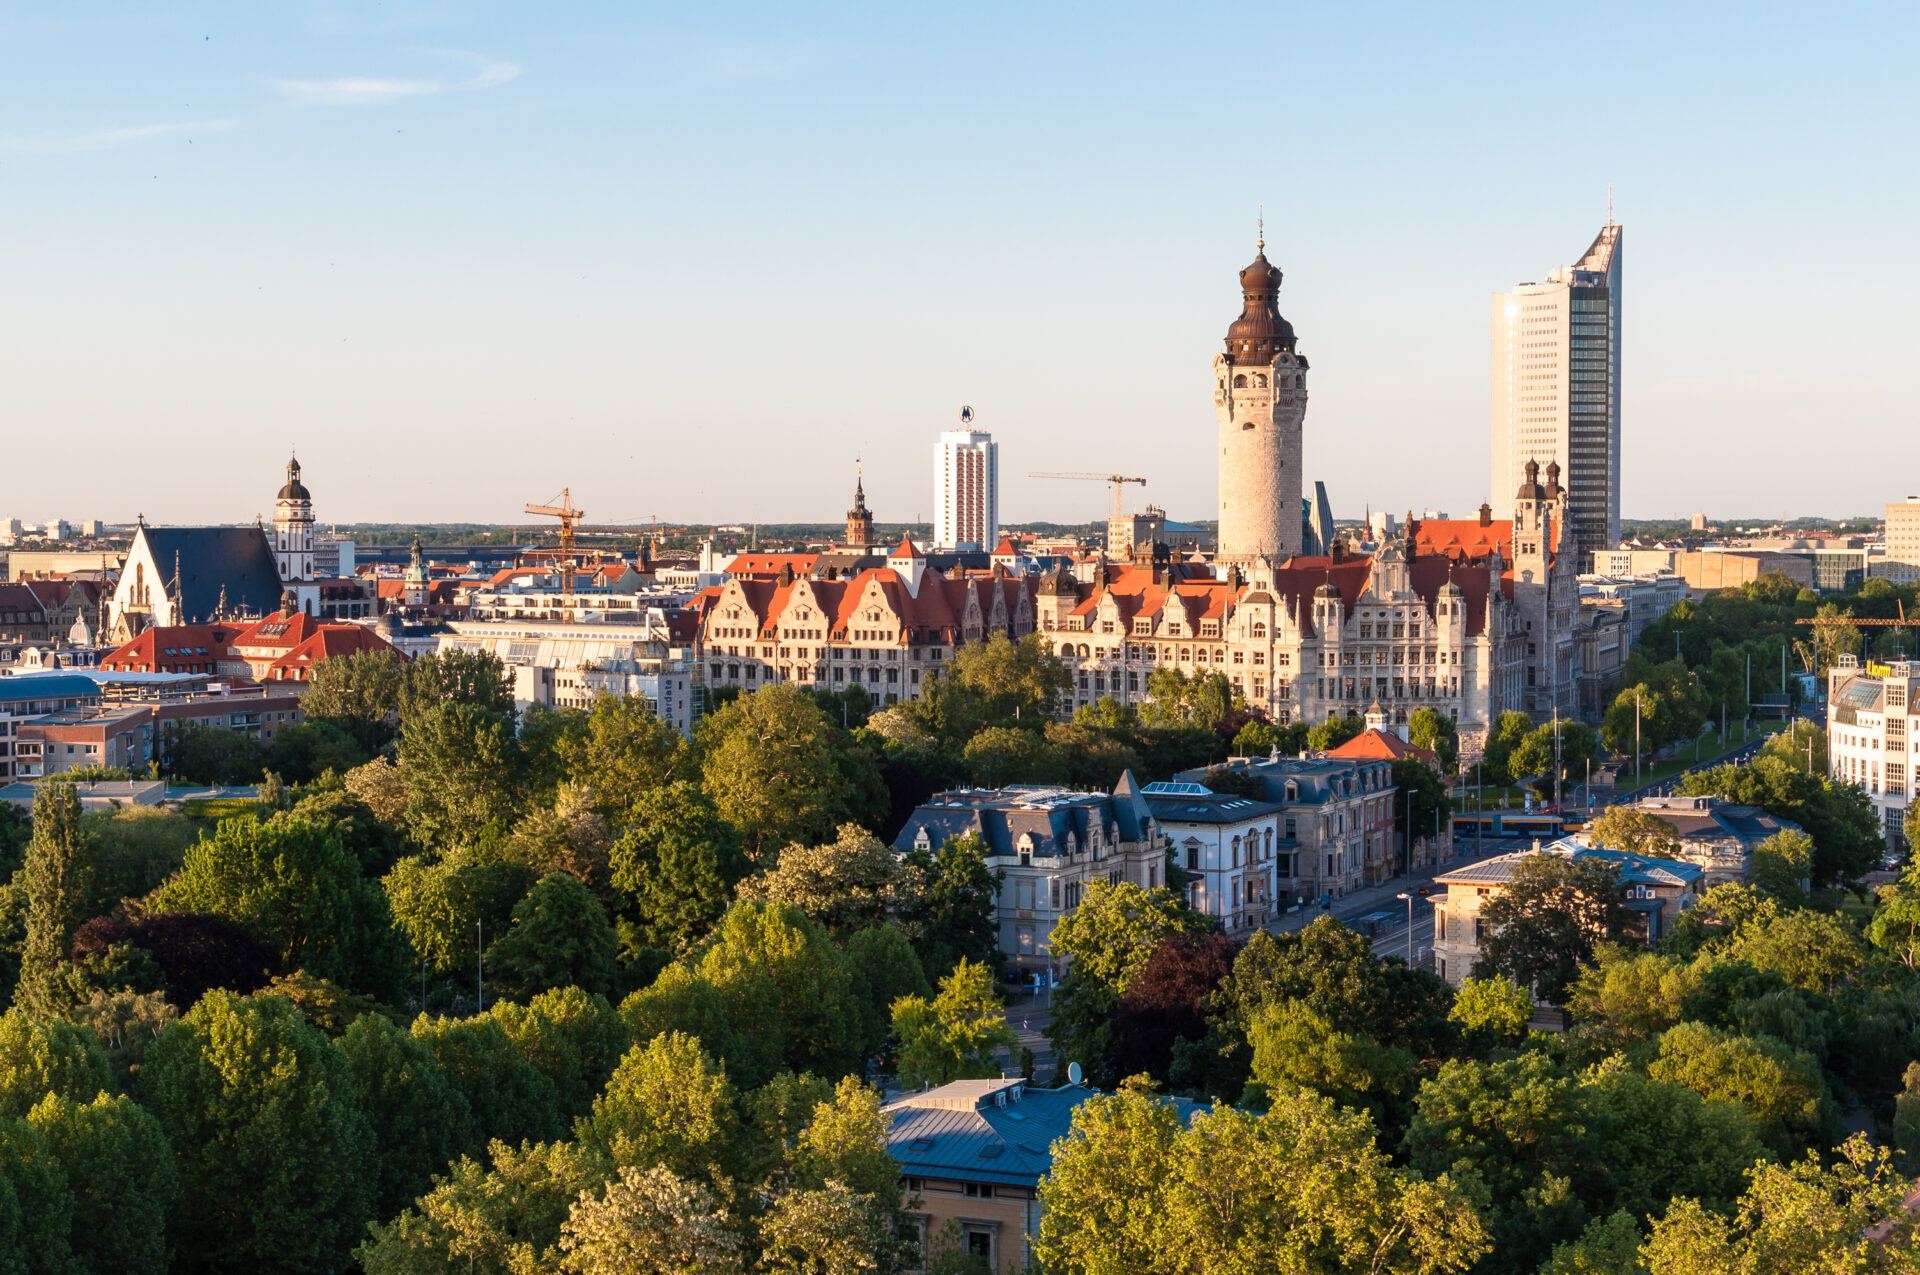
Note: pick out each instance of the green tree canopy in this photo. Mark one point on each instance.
(676, 866)
(625, 754)
(56, 882)
(847, 884)
(295, 886)
(1543, 926)
(421, 1122)
(446, 906)
(274, 1157)
(774, 768)
(1635, 831)
(668, 1105)
(953, 914)
(1780, 1087)
(118, 1166)
(459, 764)
(510, 1097)
(41, 1056)
(560, 937)
(358, 693)
(572, 1037)
(958, 1035)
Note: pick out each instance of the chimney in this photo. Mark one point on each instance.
(1486, 514)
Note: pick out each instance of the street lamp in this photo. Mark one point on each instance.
(1408, 896)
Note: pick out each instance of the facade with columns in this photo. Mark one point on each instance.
(1469, 617)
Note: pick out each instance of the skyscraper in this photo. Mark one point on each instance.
(966, 488)
(1556, 389)
(1260, 399)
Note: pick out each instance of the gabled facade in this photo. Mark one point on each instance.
(1469, 618)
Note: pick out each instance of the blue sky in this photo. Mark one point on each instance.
(692, 260)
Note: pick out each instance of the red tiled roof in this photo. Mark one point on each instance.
(328, 641)
(769, 564)
(1383, 745)
(181, 648)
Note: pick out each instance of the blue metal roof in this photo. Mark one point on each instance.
(38, 686)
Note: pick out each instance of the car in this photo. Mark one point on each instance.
(1424, 890)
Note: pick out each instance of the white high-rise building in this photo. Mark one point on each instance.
(1903, 530)
(1556, 389)
(966, 489)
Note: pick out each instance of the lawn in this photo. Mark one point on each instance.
(213, 809)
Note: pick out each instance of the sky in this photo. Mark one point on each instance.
(693, 261)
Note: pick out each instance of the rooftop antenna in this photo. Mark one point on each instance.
(1609, 203)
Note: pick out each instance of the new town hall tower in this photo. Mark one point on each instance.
(1260, 398)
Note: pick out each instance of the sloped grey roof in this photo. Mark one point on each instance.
(1634, 869)
(237, 558)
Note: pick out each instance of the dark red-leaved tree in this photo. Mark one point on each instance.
(196, 952)
(1163, 1002)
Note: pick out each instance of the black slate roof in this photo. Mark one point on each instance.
(238, 558)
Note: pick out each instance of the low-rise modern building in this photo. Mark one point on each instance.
(1049, 844)
(973, 1153)
(560, 665)
(1657, 890)
(1873, 734)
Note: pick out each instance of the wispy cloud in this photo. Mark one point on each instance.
(107, 138)
(486, 73)
(766, 61)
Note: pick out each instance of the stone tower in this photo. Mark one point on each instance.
(293, 528)
(859, 518)
(1260, 398)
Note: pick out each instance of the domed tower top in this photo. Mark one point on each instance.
(294, 490)
(1530, 489)
(1259, 334)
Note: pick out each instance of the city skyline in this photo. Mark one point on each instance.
(460, 259)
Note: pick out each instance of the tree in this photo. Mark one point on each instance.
(668, 1105)
(1796, 1218)
(1635, 831)
(884, 969)
(474, 679)
(1262, 738)
(446, 907)
(625, 754)
(1421, 800)
(420, 1120)
(1295, 1048)
(459, 764)
(998, 682)
(1333, 732)
(560, 937)
(36, 1204)
(195, 952)
(676, 865)
(503, 1220)
(196, 753)
(1542, 927)
(769, 992)
(1508, 730)
(305, 751)
(273, 1155)
(1895, 928)
(833, 1230)
(1299, 1188)
(1632, 996)
(125, 1023)
(771, 763)
(1164, 1003)
(358, 693)
(1781, 1088)
(650, 1222)
(544, 735)
(1203, 700)
(510, 1097)
(568, 836)
(373, 843)
(57, 878)
(328, 1006)
(294, 886)
(120, 1170)
(1657, 1140)
(958, 1035)
(41, 1056)
(1432, 729)
(1520, 1128)
(1782, 866)
(1111, 935)
(1000, 755)
(571, 1037)
(1814, 951)
(133, 849)
(848, 884)
(1492, 1012)
(953, 913)
(1534, 755)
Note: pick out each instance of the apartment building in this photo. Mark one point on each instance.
(1233, 849)
(1873, 734)
(1334, 832)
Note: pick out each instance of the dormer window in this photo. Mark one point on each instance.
(1293, 791)
(921, 841)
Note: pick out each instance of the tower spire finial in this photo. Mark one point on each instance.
(1261, 221)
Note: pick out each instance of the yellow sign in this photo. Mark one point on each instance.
(1879, 670)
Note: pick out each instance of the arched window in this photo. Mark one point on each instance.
(1240, 381)
(1299, 382)
(1236, 852)
(1073, 844)
(1259, 629)
(1260, 380)
(1269, 841)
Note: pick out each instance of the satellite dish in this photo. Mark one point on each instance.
(966, 416)
(1073, 1073)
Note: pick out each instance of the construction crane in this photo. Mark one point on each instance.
(1823, 622)
(1116, 479)
(569, 517)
